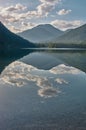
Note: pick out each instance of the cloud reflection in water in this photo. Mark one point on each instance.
(20, 74)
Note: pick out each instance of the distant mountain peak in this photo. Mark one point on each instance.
(41, 33)
(46, 26)
(74, 36)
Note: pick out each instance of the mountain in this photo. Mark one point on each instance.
(68, 30)
(41, 33)
(9, 40)
(74, 36)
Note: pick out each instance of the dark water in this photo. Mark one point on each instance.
(46, 59)
(43, 90)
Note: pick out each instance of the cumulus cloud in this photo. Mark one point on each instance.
(63, 12)
(43, 83)
(44, 9)
(16, 14)
(47, 6)
(14, 29)
(48, 92)
(63, 69)
(17, 7)
(19, 74)
(11, 13)
(61, 81)
(2, 18)
(28, 25)
(63, 24)
(6, 17)
(50, 1)
(18, 17)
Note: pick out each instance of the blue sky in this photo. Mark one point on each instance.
(19, 15)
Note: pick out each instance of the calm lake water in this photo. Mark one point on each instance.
(43, 90)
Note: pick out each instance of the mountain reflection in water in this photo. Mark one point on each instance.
(43, 90)
(45, 59)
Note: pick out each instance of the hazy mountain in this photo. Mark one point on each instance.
(77, 35)
(41, 33)
(68, 30)
(9, 40)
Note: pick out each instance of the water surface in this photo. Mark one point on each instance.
(43, 90)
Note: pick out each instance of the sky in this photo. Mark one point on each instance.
(20, 15)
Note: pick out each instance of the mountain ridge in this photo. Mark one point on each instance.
(41, 33)
(9, 40)
(77, 35)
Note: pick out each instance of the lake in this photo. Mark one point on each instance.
(43, 89)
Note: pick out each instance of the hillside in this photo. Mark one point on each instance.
(9, 40)
(77, 36)
(41, 33)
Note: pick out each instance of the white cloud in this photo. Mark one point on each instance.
(48, 92)
(12, 18)
(63, 69)
(19, 18)
(44, 9)
(17, 7)
(50, 1)
(63, 12)
(63, 24)
(27, 25)
(2, 18)
(61, 81)
(47, 6)
(14, 29)
(11, 13)
(18, 15)
(6, 17)
(18, 74)
(32, 14)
